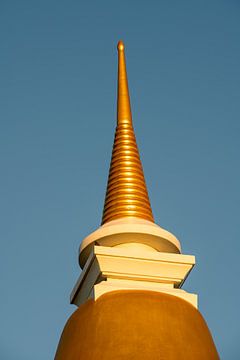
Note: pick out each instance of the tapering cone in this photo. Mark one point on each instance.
(126, 194)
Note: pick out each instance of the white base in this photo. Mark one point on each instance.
(108, 286)
(123, 268)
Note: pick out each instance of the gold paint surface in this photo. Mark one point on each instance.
(136, 325)
(126, 193)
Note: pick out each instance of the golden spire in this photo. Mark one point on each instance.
(126, 194)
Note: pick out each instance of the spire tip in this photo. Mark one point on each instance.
(120, 45)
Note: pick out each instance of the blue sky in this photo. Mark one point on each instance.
(58, 70)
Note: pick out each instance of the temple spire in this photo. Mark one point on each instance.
(126, 194)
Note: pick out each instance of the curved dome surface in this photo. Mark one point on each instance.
(136, 325)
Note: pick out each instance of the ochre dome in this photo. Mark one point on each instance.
(135, 325)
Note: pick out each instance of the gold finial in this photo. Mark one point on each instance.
(126, 194)
(120, 45)
(123, 106)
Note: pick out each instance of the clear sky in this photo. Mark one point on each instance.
(58, 71)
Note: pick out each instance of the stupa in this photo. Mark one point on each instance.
(129, 295)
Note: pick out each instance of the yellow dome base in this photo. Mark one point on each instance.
(136, 325)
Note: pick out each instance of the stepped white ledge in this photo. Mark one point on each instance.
(132, 266)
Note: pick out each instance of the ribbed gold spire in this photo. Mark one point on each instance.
(126, 194)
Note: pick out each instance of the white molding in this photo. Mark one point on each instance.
(129, 230)
(112, 268)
